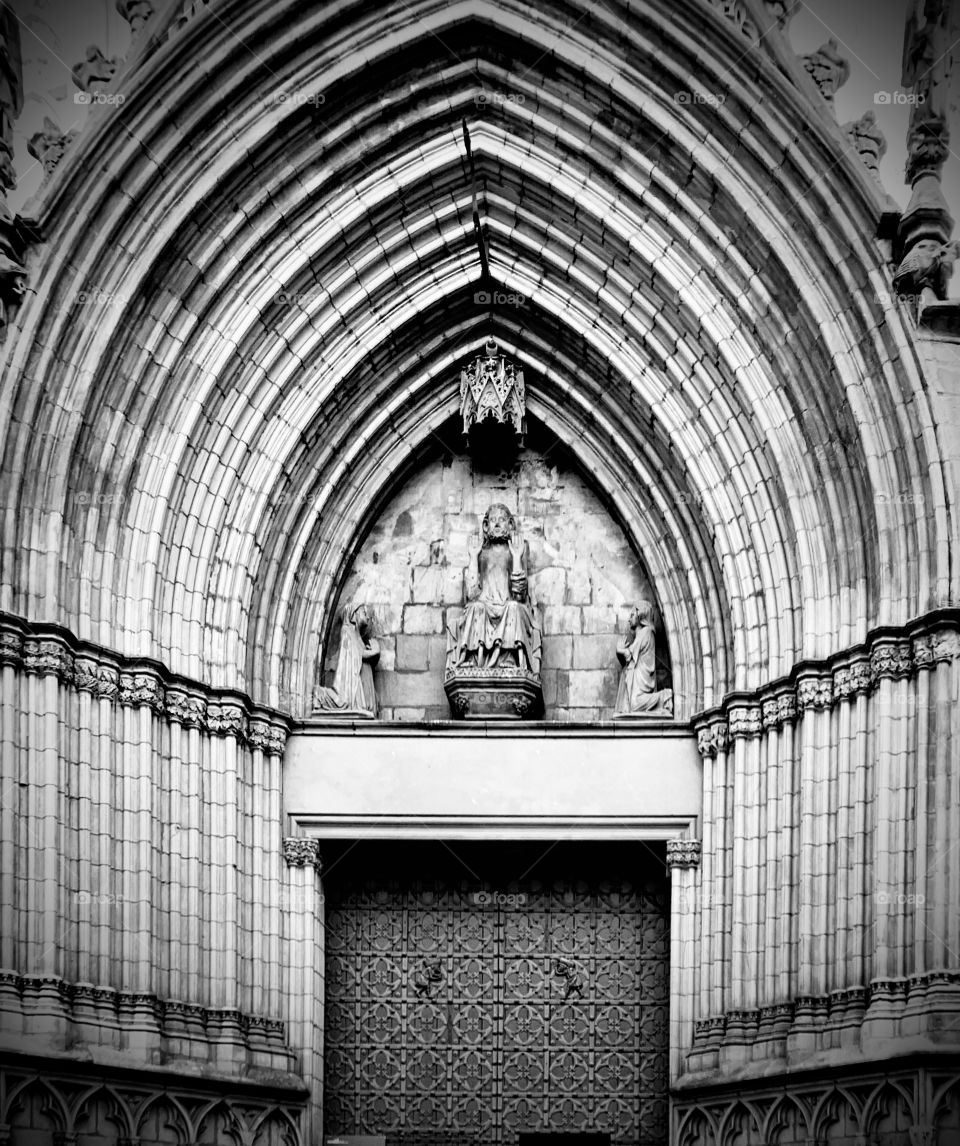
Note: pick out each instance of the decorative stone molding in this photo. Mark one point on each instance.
(71, 1101)
(856, 1104)
(848, 1006)
(301, 851)
(88, 1001)
(47, 650)
(932, 640)
(683, 853)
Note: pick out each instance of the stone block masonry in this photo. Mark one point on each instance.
(584, 578)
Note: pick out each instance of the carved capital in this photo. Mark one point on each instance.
(300, 851)
(815, 693)
(779, 710)
(102, 681)
(853, 679)
(190, 711)
(269, 738)
(48, 658)
(745, 720)
(226, 720)
(712, 739)
(683, 853)
(141, 689)
(11, 648)
(930, 649)
(890, 658)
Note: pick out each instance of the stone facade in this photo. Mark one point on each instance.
(232, 324)
(584, 579)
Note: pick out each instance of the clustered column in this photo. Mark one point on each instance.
(683, 860)
(303, 932)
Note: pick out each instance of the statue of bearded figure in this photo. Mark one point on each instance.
(497, 626)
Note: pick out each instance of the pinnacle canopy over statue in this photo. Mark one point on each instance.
(493, 650)
(492, 388)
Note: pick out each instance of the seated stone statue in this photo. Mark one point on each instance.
(638, 694)
(352, 692)
(497, 627)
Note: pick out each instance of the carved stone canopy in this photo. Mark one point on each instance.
(491, 387)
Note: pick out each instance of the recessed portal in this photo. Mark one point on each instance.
(497, 993)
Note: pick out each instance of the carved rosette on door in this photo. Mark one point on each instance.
(451, 1020)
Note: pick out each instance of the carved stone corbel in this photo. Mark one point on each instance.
(95, 71)
(868, 141)
(135, 12)
(49, 146)
(828, 69)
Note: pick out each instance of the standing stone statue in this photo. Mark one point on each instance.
(352, 692)
(638, 694)
(497, 625)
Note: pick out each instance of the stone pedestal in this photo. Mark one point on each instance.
(500, 693)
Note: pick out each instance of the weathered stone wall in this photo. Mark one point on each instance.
(584, 578)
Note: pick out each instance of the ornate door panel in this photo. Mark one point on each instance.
(469, 1011)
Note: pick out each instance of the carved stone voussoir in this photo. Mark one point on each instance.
(299, 851)
(683, 853)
